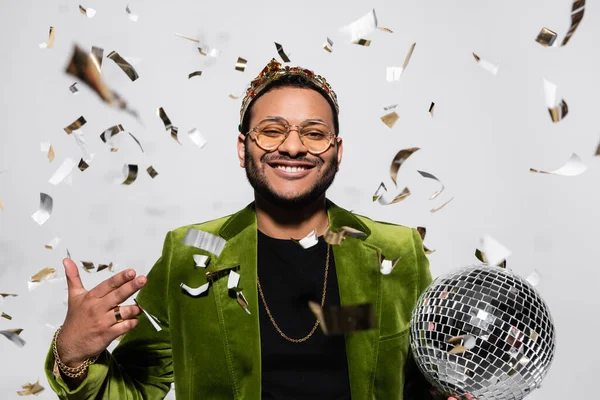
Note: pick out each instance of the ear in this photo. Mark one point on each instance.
(340, 151)
(241, 150)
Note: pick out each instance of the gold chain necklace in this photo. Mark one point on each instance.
(314, 328)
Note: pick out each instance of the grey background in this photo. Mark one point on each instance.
(487, 131)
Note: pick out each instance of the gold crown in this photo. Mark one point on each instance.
(272, 72)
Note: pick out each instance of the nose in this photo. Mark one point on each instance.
(292, 145)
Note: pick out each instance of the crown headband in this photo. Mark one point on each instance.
(273, 72)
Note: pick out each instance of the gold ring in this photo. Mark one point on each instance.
(117, 310)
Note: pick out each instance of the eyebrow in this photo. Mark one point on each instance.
(276, 117)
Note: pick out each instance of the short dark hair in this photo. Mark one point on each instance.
(295, 81)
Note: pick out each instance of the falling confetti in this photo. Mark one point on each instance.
(431, 108)
(577, 11)
(6, 316)
(50, 43)
(63, 171)
(167, 122)
(47, 148)
(388, 30)
(53, 243)
(430, 176)
(362, 42)
(390, 119)
(124, 65)
(379, 190)
(390, 107)
(240, 65)
(108, 135)
(361, 27)
(558, 109)
(153, 320)
(97, 55)
(152, 172)
(197, 137)
(394, 73)
(131, 172)
(388, 199)
(423, 232)
(387, 266)
(43, 213)
(338, 320)
(337, 237)
(328, 45)
(31, 388)
(494, 252)
(130, 15)
(187, 38)
(13, 336)
(89, 12)
(573, 167)
(195, 73)
(434, 210)
(1, 206)
(546, 37)
(78, 123)
(209, 51)
(137, 141)
(486, 65)
(309, 240)
(398, 160)
(281, 53)
(73, 88)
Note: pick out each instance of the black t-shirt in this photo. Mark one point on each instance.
(290, 276)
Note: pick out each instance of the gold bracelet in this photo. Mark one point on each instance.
(71, 372)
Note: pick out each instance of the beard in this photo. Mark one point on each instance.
(264, 189)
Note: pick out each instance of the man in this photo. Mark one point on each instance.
(221, 338)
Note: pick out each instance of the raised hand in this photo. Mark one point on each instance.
(92, 321)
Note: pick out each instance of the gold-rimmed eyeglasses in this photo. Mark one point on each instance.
(270, 133)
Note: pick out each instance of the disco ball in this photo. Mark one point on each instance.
(483, 331)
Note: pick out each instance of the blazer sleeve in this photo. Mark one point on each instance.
(416, 386)
(141, 366)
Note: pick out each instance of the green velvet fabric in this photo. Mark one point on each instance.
(210, 347)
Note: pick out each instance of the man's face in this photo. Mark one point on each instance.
(272, 174)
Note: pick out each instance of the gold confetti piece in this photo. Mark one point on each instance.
(328, 45)
(430, 176)
(209, 51)
(50, 43)
(282, 54)
(577, 11)
(546, 37)
(598, 150)
(458, 349)
(385, 199)
(124, 65)
(13, 336)
(187, 38)
(73, 88)
(102, 267)
(493, 251)
(89, 12)
(1, 206)
(48, 149)
(43, 274)
(88, 266)
(360, 28)
(434, 210)
(455, 339)
(153, 320)
(337, 237)
(78, 123)
(167, 122)
(83, 165)
(8, 317)
(398, 160)
(130, 15)
(137, 141)
(131, 171)
(388, 30)
(390, 119)
(195, 73)
(431, 108)
(96, 56)
(573, 167)
(197, 137)
(394, 73)
(486, 65)
(45, 210)
(338, 320)
(151, 171)
(109, 133)
(240, 65)
(378, 192)
(558, 109)
(53, 243)
(241, 300)
(362, 42)
(213, 276)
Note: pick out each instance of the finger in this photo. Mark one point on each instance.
(122, 328)
(124, 292)
(74, 284)
(127, 312)
(112, 283)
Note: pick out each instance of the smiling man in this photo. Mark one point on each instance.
(227, 302)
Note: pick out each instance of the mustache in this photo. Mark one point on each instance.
(267, 158)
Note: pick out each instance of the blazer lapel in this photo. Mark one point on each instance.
(359, 277)
(240, 331)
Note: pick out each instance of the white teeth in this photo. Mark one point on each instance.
(290, 169)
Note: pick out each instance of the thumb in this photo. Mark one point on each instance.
(73, 280)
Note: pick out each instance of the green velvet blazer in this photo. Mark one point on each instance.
(210, 348)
